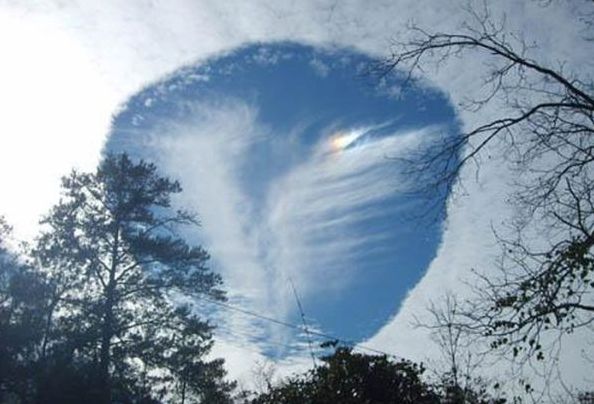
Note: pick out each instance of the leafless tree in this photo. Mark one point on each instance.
(458, 370)
(263, 374)
(546, 277)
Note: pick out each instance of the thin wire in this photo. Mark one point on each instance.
(313, 357)
(296, 327)
(225, 328)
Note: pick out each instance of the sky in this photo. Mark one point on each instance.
(289, 156)
(282, 143)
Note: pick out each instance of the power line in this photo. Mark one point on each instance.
(313, 357)
(296, 327)
(249, 342)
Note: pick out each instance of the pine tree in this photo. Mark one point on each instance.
(119, 268)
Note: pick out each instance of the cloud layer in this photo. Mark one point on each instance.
(307, 197)
(67, 67)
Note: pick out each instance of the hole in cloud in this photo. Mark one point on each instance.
(285, 153)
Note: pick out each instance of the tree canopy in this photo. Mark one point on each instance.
(356, 378)
(113, 313)
(352, 378)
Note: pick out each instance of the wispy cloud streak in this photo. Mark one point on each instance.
(306, 227)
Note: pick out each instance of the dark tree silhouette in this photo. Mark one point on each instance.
(457, 370)
(546, 133)
(352, 378)
(118, 266)
(22, 312)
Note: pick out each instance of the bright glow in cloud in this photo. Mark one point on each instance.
(340, 141)
(67, 66)
(278, 205)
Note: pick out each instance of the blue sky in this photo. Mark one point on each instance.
(366, 250)
(261, 150)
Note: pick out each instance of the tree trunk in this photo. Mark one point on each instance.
(105, 354)
(108, 326)
(183, 392)
(48, 326)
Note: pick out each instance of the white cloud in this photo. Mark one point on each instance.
(47, 113)
(312, 207)
(298, 229)
(67, 66)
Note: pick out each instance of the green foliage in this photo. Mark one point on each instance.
(353, 378)
(551, 291)
(96, 319)
(474, 390)
(22, 302)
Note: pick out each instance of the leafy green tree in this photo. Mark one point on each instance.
(22, 306)
(112, 251)
(352, 378)
(196, 381)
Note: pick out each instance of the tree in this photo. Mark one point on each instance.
(22, 307)
(352, 378)
(546, 133)
(458, 378)
(119, 272)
